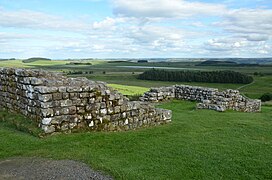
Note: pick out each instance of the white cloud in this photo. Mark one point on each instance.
(237, 46)
(7, 37)
(248, 21)
(39, 20)
(142, 28)
(165, 8)
(257, 37)
(110, 23)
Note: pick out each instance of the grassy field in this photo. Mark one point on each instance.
(197, 144)
(122, 74)
(129, 90)
(261, 85)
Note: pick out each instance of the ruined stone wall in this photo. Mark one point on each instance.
(58, 103)
(209, 98)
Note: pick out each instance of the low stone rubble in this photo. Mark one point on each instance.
(58, 103)
(208, 98)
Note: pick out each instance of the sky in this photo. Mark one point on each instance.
(61, 29)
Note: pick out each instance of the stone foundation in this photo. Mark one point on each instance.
(58, 103)
(208, 98)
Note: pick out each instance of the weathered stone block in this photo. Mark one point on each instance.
(65, 95)
(45, 90)
(72, 89)
(117, 109)
(47, 112)
(80, 110)
(48, 129)
(36, 81)
(57, 96)
(73, 95)
(65, 103)
(46, 121)
(45, 104)
(103, 112)
(45, 97)
(62, 89)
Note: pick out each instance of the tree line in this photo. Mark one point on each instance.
(196, 76)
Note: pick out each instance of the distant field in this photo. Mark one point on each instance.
(197, 144)
(122, 73)
(19, 63)
(260, 86)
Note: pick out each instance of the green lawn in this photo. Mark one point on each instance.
(198, 144)
(129, 90)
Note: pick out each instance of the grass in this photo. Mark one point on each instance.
(131, 80)
(262, 84)
(198, 144)
(121, 77)
(36, 64)
(129, 90)
(127, 81)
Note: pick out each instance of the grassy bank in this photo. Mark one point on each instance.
(200, 144)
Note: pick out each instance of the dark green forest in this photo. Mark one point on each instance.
(196, 76)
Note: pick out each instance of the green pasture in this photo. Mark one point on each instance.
(197, 144)
(129, 90)
(125, 79)
(261, 85)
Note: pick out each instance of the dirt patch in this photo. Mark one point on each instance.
(39, 168)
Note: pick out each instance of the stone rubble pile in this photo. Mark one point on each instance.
(58, 103)
(208, 98)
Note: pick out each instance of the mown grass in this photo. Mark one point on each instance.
(197, 144)
(129, 90)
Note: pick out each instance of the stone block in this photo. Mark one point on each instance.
(65, 95)
(65, 103)
(36, 81)
(45, 104)
(80, 110)
(103, 112)
(62, 89)
(46, 121)
(48, 129)
(73, 95)
(117, 109)
(57, 96)
(45, 89)
(72, 89)
(45, 97)
(47, 112)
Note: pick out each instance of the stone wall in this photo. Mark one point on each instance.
(58, 103)
(208, 98)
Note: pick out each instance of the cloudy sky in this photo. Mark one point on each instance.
(135, 28)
